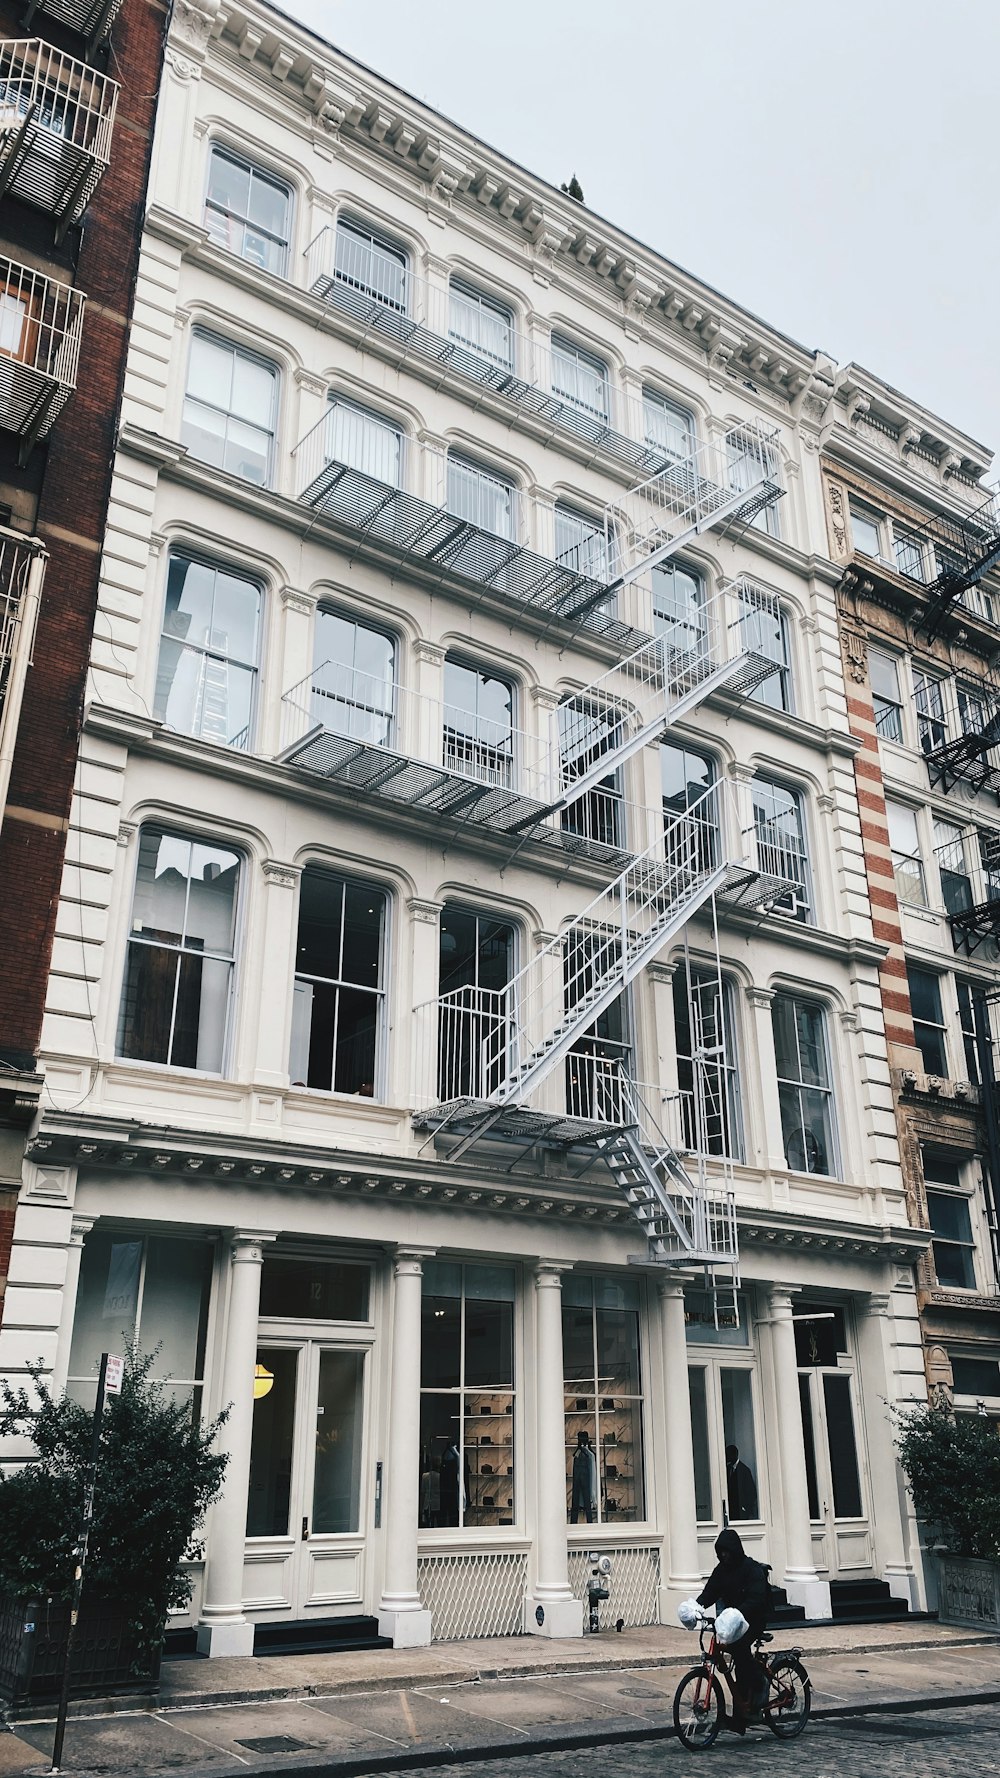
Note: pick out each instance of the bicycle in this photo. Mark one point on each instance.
(700, 1711)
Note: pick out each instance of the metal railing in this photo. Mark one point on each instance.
(22, 574)
(40, 327)
(56, 120)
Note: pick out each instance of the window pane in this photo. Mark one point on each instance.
(247, 451)
(337, 1461)
(268, 206)
(867, 536)
(618, 1352)
(356, 1042)
(955, 1266)
(809, 1444)
(211, 909)
(925, 994)
(582, 1474)
(843, 1452)
(174, 1313)
(884, 674)
(579, 379)
(949, 1216)
(201, 1012)
(228, 183)
(488, 1434)
(578, 1347)
(441, 1342)
(210, 377)
(702, 1449)
(580, 544)
(352, 691)
(318, 949)
(621, 1464)
(679, 608)
(324, 1289)
(147, 1003)
(203, 430)
(489, 1344)
(668, 428)
(902, 827)
(364, 442)
(741, 1446)
(270, 1489)
(443, 1475)
(481, 499)
(364, 913)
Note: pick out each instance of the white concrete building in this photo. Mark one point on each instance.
(385, 925)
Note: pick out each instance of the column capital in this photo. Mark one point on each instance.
(759, 997)
(294, 599)
(781, 1300)
(408, 1262)
(426, 912)
(544, 698)
(280, 875)
(548, 1273)
(672, 1284)
(740, 772)
(246, 1246)
(79, 1229)
(433, 653)
(662, 972)
(879, 1303)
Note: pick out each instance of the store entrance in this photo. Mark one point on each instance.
(833, 1440)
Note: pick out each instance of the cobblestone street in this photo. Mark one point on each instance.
(949, 1743)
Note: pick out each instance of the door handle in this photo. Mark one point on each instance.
(305, 1531)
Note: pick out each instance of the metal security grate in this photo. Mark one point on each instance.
(479, 1594)
(635, 1577)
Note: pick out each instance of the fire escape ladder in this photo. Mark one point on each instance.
(967, 549)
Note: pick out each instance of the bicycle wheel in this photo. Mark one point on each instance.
(699, 1710)
(789, 1699)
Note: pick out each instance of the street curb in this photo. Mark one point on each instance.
(607, 1734)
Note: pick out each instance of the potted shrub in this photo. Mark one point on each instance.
(952, 1466)
(158, 1471)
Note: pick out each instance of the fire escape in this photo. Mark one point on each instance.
(496, 1052)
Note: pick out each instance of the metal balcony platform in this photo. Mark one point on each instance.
(413, 527)
(970, 759)
(378, 315)
(971, 927)
(752, 889)
(518, 1123)
(367, 770)
(56, 121)
(92, 18)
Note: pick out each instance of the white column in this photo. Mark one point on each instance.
(800, 1580)
(81, 1228)
(223, 1629)
(424, 949)
(889, 1501)
(400, 1613)
(768, 1138)
(273, 967)
(681, 1564)
(551, 1609)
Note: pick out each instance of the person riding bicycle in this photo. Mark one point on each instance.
(741, 1582)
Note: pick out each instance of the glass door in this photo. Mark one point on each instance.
(307, 1505)
(833, 1441)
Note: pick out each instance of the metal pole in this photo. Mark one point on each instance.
(988, 1090)
(81, 1559)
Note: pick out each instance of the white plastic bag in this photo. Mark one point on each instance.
(689, 1614)
(730, 1625)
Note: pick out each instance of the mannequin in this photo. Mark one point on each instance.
(584, 1481)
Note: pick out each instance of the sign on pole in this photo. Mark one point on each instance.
(113, 1375)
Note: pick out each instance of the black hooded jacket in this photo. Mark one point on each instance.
(741, 1582)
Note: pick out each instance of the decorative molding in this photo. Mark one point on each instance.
(760, 998)
(127, 831)
(424, 913)
(311, 384)
(429, 654)
(294, 599)
(279, 875)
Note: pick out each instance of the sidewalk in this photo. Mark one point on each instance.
(347, 1714)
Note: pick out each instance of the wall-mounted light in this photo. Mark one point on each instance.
(263, 1382)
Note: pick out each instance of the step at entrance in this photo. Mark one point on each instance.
(335, 1635)
(865, 1602)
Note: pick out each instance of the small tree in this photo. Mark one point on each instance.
(952, 1467)
(158, 1473)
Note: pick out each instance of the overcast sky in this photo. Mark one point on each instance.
(834, 168)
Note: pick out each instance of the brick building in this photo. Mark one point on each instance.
(77, 100)
(917, 531)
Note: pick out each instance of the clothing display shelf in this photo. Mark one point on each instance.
(617, 1458)
(489, 1452)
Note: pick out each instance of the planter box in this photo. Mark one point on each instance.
(104, 1656)
(969, 1592)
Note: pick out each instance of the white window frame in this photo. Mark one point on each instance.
(210, 653)
(802, 897)
(486, 478)
(588, 554)
(268, 430)
(889, 721)
(940, 1024)
(827, 1088)
(907, 853)
(376, 245)
(963, 1192)
(931, 707)
(380, 994)
(224, 152)
(367, 417)
(479, 752)
(565, 352)
(484, 307)
(866, 515)
(654, 403)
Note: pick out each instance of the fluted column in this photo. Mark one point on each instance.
(681, 1563)
(401, 1614)
(223, 1629)
(800, 1580)
(551, 1609)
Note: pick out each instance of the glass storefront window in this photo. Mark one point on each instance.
(742, 1497)
(603, 1412)
(702, 1450)
(467, 1396)
(153, 1288)
(337, 1462)
(321, 1289)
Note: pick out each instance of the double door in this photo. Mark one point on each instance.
(309, 1503)
(833, 1443)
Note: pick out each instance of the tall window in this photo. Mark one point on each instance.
(953, 1246)
(752, 460)
(679, 608)
(154, 1288)
(352, 686)
(248, 212)
(481, 498)
(580, 544)
(589, 733)
(667, 427)
(928, 696)
(370, 266)
(467, 1398)
(364, 442)
(207, 669)
(476, 964)
(480, 324)
(953, 866)
(779, 828)
(723, 1429)
(600, 1065)
(928, 1019)
(686, 777)
(907, 864)
(883, 670)
(967, 1026)
(604, 1389)
(177, 992)
(909, 555)
(805, 1091)
(707, 1071)
(866, 529)
(230, 409)
(478, 724)
(339, 1001)
(764, 631)
(580, 379)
